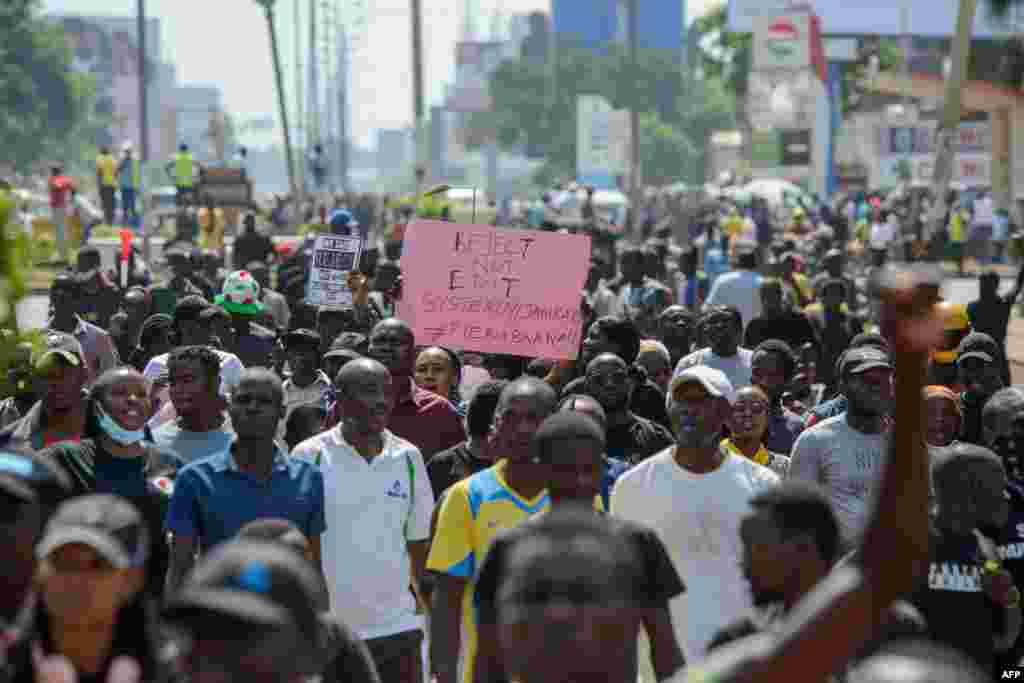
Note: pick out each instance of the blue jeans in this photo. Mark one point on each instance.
(128, 204)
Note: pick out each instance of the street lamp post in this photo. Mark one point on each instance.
(268, 7)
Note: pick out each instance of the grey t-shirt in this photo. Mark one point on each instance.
(736, 368)
(847, 463)
(192, 446)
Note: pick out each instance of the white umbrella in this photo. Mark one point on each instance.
(778, 192)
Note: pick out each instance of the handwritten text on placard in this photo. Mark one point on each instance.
(495, 290)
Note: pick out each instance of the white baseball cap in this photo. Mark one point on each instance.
(714, 382)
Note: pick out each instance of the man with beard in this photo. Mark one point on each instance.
(723, 328)
(473, 512)
(777, 320)
(677, 325)
(843, 454)
(629, 438)
(421, 417)
(694, 494)
(620, 337)
(772, 368)
(979, 372)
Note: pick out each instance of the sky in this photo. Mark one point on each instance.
(226, 43)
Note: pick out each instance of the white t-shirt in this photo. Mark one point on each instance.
(230, 369)
(984, 211)
(847, 463)
(374, 511)
(882, 234)
(697, 517)
(736, 368)
(738, 288)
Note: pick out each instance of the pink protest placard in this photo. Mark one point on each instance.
(496, 290)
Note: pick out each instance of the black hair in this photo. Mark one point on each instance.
(532, 384)
(97, 398)
(558, 428)
(782, 351)
(480, 411)
(208, 361)
(454, 393)
(802, 508)
(298, 417)
(952, 465)
(869, 339)
(303, 314)
(747, 260)
(1004, 401)
(540, 367)
(274, 530)
(937, 664)
(263, 375)
(623, 333)
(152, 325)
(713, 311)
(189, 308)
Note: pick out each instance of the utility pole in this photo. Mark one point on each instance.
(945, 136)
(314, 79)
(143, 126)
(343, 108)
(417, 82)
(300, 108)
(268, 7)
(635, 180)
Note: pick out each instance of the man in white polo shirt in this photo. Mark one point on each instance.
(377, 483)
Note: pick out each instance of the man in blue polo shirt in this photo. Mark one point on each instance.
(252, 479)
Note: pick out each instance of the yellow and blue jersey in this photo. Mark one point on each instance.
(473, 513)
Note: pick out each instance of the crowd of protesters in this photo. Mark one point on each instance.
(761, 470)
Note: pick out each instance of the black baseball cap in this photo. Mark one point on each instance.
(89, 260)
(858, 360)
(978, 345)
(190, 307)
(302, 337)
(65, 282)
(59, 345)
(108, 524)
(256, 583)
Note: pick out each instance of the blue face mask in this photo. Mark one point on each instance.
(125, 437)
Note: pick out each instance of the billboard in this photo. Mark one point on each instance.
(972, 138)
(602, 141)
(915, 145)
(782, 42)
(925, 18)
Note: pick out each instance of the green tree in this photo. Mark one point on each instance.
(677, 109)
(668, 154)
(45, 108)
